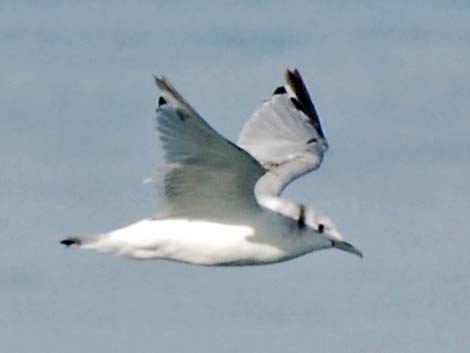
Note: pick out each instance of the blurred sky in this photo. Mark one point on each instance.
(391, 84)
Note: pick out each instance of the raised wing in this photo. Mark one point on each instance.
(286, 137)
(206, 176)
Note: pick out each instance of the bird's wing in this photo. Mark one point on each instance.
(206, 176)
(286, 137)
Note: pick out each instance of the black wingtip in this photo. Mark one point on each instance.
(280, 90)
(304, 102)
(161, 101)
(70, 241)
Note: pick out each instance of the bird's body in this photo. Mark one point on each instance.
(263, 240)
(221, 201)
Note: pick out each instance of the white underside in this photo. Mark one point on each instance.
(207, 243)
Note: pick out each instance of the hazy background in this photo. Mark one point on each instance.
(391, 83)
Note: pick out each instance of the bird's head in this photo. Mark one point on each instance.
(324, 227)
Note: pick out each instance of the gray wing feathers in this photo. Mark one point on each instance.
(286, 137)
(206, 176)
(209, 177)
(277, 132)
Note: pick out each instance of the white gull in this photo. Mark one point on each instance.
(221, 201)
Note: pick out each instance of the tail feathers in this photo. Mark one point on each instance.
(83, 241)
(101, 243)
(71, 241)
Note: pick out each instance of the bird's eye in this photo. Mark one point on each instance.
(321, 228)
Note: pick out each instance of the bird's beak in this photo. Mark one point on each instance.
(342, 245)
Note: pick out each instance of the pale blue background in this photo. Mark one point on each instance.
(391, 83)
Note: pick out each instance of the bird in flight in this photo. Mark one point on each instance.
(222, 203)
